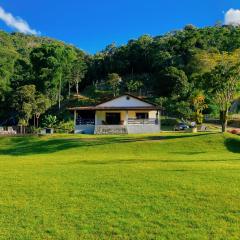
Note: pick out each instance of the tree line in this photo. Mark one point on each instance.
(189, 72)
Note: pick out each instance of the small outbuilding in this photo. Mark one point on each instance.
(121, 115)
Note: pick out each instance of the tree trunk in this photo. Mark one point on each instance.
(34, 121)
(77, 90)
(224, 120)
(59, 93)
(69, 89)
(140, 92)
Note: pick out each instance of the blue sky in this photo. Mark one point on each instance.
(92, 24)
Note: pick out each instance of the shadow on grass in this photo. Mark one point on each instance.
(233, 144)
(20, 146)
(137, 161)
(28, 146)
(187, 153)
(176, 136)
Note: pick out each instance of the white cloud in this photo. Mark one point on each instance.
(16, 22)
(232, 17)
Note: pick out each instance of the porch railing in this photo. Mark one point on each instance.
(85, 121)
(131, 121)
(150, 121)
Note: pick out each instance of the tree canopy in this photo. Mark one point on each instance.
(172, 66)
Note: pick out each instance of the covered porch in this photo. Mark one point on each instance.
(99, 120)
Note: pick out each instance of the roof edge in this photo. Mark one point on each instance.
(92, 108)
(130, 95)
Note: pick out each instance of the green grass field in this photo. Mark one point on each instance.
(166, 186)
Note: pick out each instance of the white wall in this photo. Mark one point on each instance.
(101, 115)
(123, 101)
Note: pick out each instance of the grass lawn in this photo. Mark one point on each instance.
(166, 186)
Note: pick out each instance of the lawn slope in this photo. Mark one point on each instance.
(167, 186)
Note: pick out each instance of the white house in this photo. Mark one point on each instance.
(121, 115)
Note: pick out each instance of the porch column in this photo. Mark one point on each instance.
(95, 118)
(75, 117)
(159, 119)
(126, 118)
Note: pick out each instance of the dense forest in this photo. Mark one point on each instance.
(188, 72)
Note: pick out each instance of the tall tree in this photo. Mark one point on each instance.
(114, 81)
(134, 86)
(225, 80)
(22, 74)
(7, 59)
(199, 104)
(78, 71)
(24, 103)
(172, 81)
(50, 62)
(42, 103)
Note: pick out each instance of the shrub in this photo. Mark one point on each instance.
(65, 127)
(49, 121)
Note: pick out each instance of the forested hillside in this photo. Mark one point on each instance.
(184, 71)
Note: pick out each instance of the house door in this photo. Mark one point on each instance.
(113, 118)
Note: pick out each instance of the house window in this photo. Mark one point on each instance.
(113, 118)
(142, 115)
